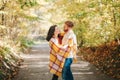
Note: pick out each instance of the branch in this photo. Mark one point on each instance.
(3, 6)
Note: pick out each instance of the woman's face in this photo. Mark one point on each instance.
(57, 31)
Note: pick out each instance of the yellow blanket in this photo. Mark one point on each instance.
(57, 57)
(58, 54)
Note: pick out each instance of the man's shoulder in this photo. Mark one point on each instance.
(70, 34)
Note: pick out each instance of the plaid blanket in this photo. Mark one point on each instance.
(57, 57)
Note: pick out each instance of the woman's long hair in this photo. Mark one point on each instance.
(51, 32)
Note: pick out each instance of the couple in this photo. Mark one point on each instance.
(62, 52)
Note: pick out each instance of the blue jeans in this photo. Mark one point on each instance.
(67, 73)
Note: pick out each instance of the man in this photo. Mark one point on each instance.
(70, 40)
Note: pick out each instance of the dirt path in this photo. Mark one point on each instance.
(35, 67)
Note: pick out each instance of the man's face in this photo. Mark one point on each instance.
(65, 28)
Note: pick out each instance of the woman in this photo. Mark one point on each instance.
(58, 53)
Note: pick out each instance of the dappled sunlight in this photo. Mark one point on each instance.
(24, 25)
(86, 64)
(28, 56)
(81, 73)
(37, 64)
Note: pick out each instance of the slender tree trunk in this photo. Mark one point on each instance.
(2, 19)
(3, 16)
(114, 17)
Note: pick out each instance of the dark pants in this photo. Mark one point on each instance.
(55, 77)
(67, 73)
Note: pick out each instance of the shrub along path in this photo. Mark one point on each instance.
(35, 67)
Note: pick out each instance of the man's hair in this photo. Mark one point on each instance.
(69, 24)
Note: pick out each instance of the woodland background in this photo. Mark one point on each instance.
(97, 26)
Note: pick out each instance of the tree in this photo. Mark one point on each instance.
(97, 21)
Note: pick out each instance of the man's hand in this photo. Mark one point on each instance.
(75, 60)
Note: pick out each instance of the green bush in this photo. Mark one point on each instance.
(25, 43)
(8, 63)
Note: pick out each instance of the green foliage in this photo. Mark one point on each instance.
(29, 17)
(2, 75)
(50, 0)
(97, 21)
(8, 62)
(25, 43)
(4, 51)
(16, 22)
(28, 3)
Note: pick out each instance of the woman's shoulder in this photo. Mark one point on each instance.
(53, 40)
